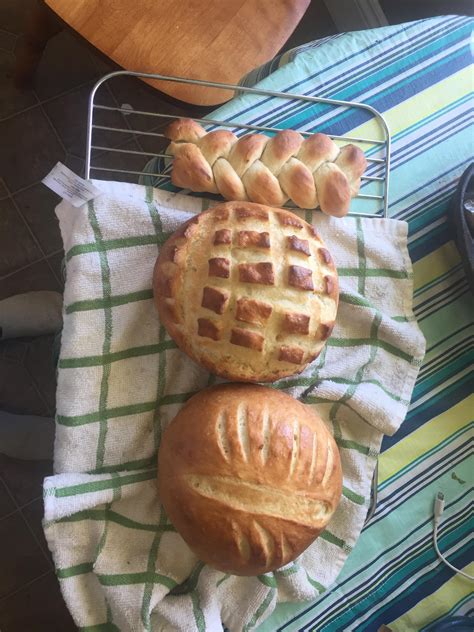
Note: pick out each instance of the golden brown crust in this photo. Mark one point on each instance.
(294, 355)
(219, 267)
(208, 329)
(246, 338)
(257, 273)
(232, 308)
(248, 476)
(296, 323)
(301, 278)
(311, 172)
(215, 299)
(299, 245)
(222, 237)
(253, 239)
(251, 311)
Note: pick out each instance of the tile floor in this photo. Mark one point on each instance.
(38, 127)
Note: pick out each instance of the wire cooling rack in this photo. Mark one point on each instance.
(375, 182)
(377, 150)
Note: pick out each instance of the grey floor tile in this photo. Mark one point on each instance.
(35, 277)
(24, 479)
(18, 392)
(41, 366)
(66, 64)
(68, 114)
(22, 558)
(13, 14)
(33, 513)
(38, 607)
(12, 100)
(113, 160)
(56, 263)
(7, 41)
(6, 503)
(17, 247)
(3, 189)
(132, 91)
(31, 149)
(37, 204)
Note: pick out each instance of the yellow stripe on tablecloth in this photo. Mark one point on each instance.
(426, 437)
(435, 264)
(419, 106)
(435, 605)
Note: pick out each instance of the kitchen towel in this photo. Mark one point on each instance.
(121, 380)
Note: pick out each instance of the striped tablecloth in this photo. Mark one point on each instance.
(419, 75)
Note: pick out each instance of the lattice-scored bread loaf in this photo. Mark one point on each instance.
(249, 477)
(248, 291)
(310, 172)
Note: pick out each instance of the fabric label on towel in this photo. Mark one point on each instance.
(70, 186)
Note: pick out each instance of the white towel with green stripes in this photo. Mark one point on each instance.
(121, 380)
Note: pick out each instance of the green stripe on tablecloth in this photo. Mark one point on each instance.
(333, 539)
(361, 254)
(117, 518)
(268, 580)
(137, 464)
(260, 611)
(286, 572)
(150, 582)
(111, 413)
(107, 358)
(363, 342)
(146, 577)
(373, 272)
(353, 445)
(191, 582)
(197, 611)
(314, 399)
(109, 301)
(343, 380)
(106, 289)
(114, 244)
(100, 627)
(177, 398)
(72, 571)
(319, 587)
(97, 486)
(354, 299)
(222, 579)
(352, 496)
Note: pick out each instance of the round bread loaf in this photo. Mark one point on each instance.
(247, 291)
(249, 477)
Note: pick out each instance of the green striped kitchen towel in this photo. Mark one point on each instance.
(121, 380)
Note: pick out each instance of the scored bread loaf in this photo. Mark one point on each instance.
(248, 476)
(310, 172)
(247, 291)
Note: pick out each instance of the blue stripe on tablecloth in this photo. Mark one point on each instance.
(435, 406)
(403, 492)
(347, 611)
(428, 583)
(327, 88)
(352, 90)
(332, 608)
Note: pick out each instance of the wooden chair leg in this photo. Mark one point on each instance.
(41, 25)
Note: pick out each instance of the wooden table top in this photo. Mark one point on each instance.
(214, 40)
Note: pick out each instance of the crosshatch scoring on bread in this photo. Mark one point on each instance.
(252, 481)
(247, 291)
(309, 171)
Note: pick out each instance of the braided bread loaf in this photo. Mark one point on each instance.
(310, 171)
